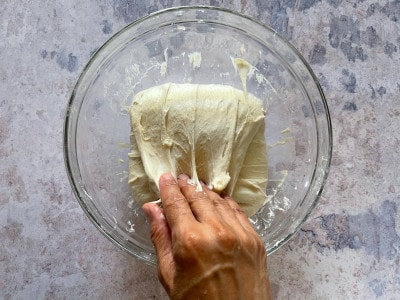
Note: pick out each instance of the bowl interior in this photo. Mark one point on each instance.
(196, 45)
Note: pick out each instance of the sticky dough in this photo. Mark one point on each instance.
(213, 133)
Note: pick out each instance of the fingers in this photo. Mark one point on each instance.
(200, 202)
(240, 215)
(176, 208)
(208, 206)
(183, 204)
(161, 237)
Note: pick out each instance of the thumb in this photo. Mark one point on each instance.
(161, 237)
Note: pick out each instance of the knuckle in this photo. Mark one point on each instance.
(167, 181)
(174, 200)
(259, 243)
(236, 207)
(239, 211)
(219, 202)
(186, 237)
(227, 239)
(198, 196)
(186, 246)
(253, 243)
(155, 234)
(228, 198)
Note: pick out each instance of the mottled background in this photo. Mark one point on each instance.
(349, 247)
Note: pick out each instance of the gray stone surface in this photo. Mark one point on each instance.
(349, 247)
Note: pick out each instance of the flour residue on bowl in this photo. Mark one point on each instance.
(286, 130)
(282, 203)
(244, 69)
(274, 203)
(281, 142)
(284, 140)
(195, 59)
(133, 76)
(242, 49)
(131, 226)
(164, 64)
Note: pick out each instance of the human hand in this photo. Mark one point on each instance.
(205, 244)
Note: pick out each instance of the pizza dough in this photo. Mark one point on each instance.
(213, 133)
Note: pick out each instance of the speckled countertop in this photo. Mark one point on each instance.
(349, 247)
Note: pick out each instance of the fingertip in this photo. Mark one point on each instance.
(183, 181)
(167, 178)
(153, 212)
(175, 206)
(183, 177)
(148, 212)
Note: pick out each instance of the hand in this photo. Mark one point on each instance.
(205, 244)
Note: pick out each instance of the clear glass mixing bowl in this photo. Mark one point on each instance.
(197, 45)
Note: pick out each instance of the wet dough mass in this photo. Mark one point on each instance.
(213, 133)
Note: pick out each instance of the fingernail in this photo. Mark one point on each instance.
(168, 176)
(153, 212)
(183, 177)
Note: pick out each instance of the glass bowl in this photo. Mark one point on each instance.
(196, 45)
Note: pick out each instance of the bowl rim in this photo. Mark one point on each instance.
(67, 122)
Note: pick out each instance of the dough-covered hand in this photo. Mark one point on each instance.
(205, 244)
